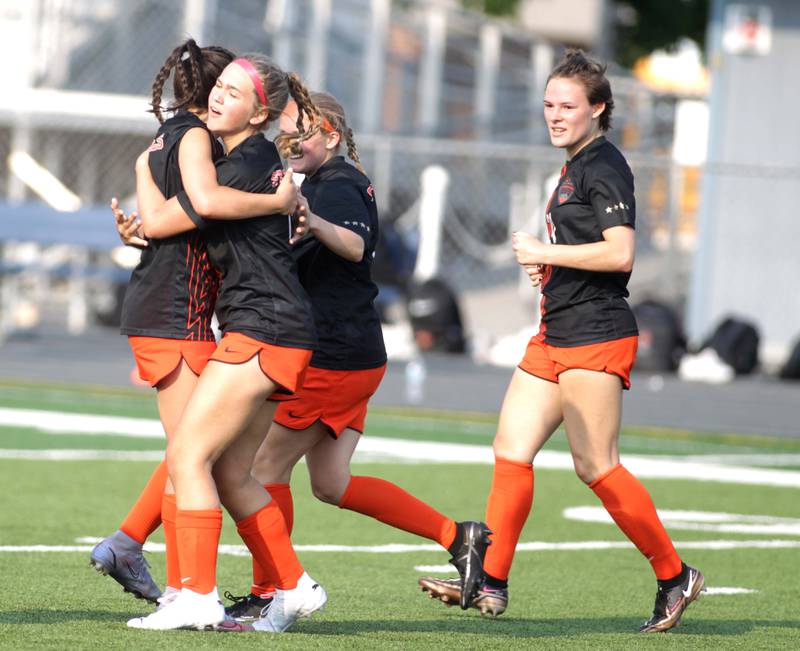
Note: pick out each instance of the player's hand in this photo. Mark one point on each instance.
(535, 273)
(128, 228)
(300, 219)
(528, 249)
(287, 193)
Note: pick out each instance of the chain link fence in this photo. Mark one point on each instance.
(429, 106)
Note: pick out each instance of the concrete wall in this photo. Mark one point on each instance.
(748, 257)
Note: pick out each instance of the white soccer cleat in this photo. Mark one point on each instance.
(169, 595)
(290, 605)
(188, 610)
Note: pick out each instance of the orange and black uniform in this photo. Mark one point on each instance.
(583, 310)
(586, 324)
(350, 358)
(172, 290)
(261, 302)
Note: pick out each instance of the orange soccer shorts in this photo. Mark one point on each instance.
(548, 362)
(336, 398)
(283, 365)
(157, 357)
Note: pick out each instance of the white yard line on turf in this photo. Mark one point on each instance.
(396, 450)
(588, 545)
(701, 521)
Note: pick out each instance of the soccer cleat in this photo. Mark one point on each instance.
(120, 557)
(188, 610)
(489, 601)
(247, 608)
(671, 602)
(290, 605)
(468, 558)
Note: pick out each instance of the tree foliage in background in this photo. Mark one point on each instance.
(493, 7)
(648, 25)
(643, 25)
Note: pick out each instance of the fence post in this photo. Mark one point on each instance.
(373, 70)
(491, 39)
(318, 44)
(434, 180)
(430, 78)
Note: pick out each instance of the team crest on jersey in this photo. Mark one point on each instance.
(276, 177)
(158, 143)
(565, 190)
(371, 192)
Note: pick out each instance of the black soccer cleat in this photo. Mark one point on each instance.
(247, 608)
(671, 602)
(469, 550)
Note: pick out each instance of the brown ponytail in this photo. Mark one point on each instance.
(195, 72)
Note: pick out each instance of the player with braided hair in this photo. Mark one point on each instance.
(326, 421)
(268, 335)
(170, 299)
(575, 369)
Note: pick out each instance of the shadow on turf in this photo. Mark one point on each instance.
(531, 628)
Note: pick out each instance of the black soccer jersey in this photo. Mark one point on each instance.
(260, 294)
(595, 192)
(172, 290)
(342, 292)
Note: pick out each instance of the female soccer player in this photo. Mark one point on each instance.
(170, 298)
(575, 368)
(267, 339)
(326, 421)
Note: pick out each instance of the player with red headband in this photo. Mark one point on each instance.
(268, 335)
(326, 421)
(170, 298)
(575, 369)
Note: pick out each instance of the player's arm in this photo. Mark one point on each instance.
(212, 200)
(160, 218)
(342, 241)
(615, 252)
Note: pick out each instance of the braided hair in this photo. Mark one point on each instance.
(330, 109)
(195, 71)
(592, 75)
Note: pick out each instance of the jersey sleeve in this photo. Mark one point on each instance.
(342, 204)
(610, 192)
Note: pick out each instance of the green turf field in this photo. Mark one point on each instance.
(559, 598)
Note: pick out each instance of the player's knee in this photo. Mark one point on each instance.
(589, 469)
(329, 490)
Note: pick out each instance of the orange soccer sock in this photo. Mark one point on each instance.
(198, 538)
(263, 581)
(265, 534)
(507, 509)
(629, 504)
(145, 516)
(389, 503)
(169, 511)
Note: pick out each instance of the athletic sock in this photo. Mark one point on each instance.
(198, 539)
(676, 580)
(494, 582)
(264, 532)
(389, 503)
(630, 505)
(507, 509)
(168, 516)
(145, 516)
(263, 582)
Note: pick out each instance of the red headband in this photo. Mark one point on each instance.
(248, 67)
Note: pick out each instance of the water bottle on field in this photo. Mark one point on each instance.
(416, 374)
